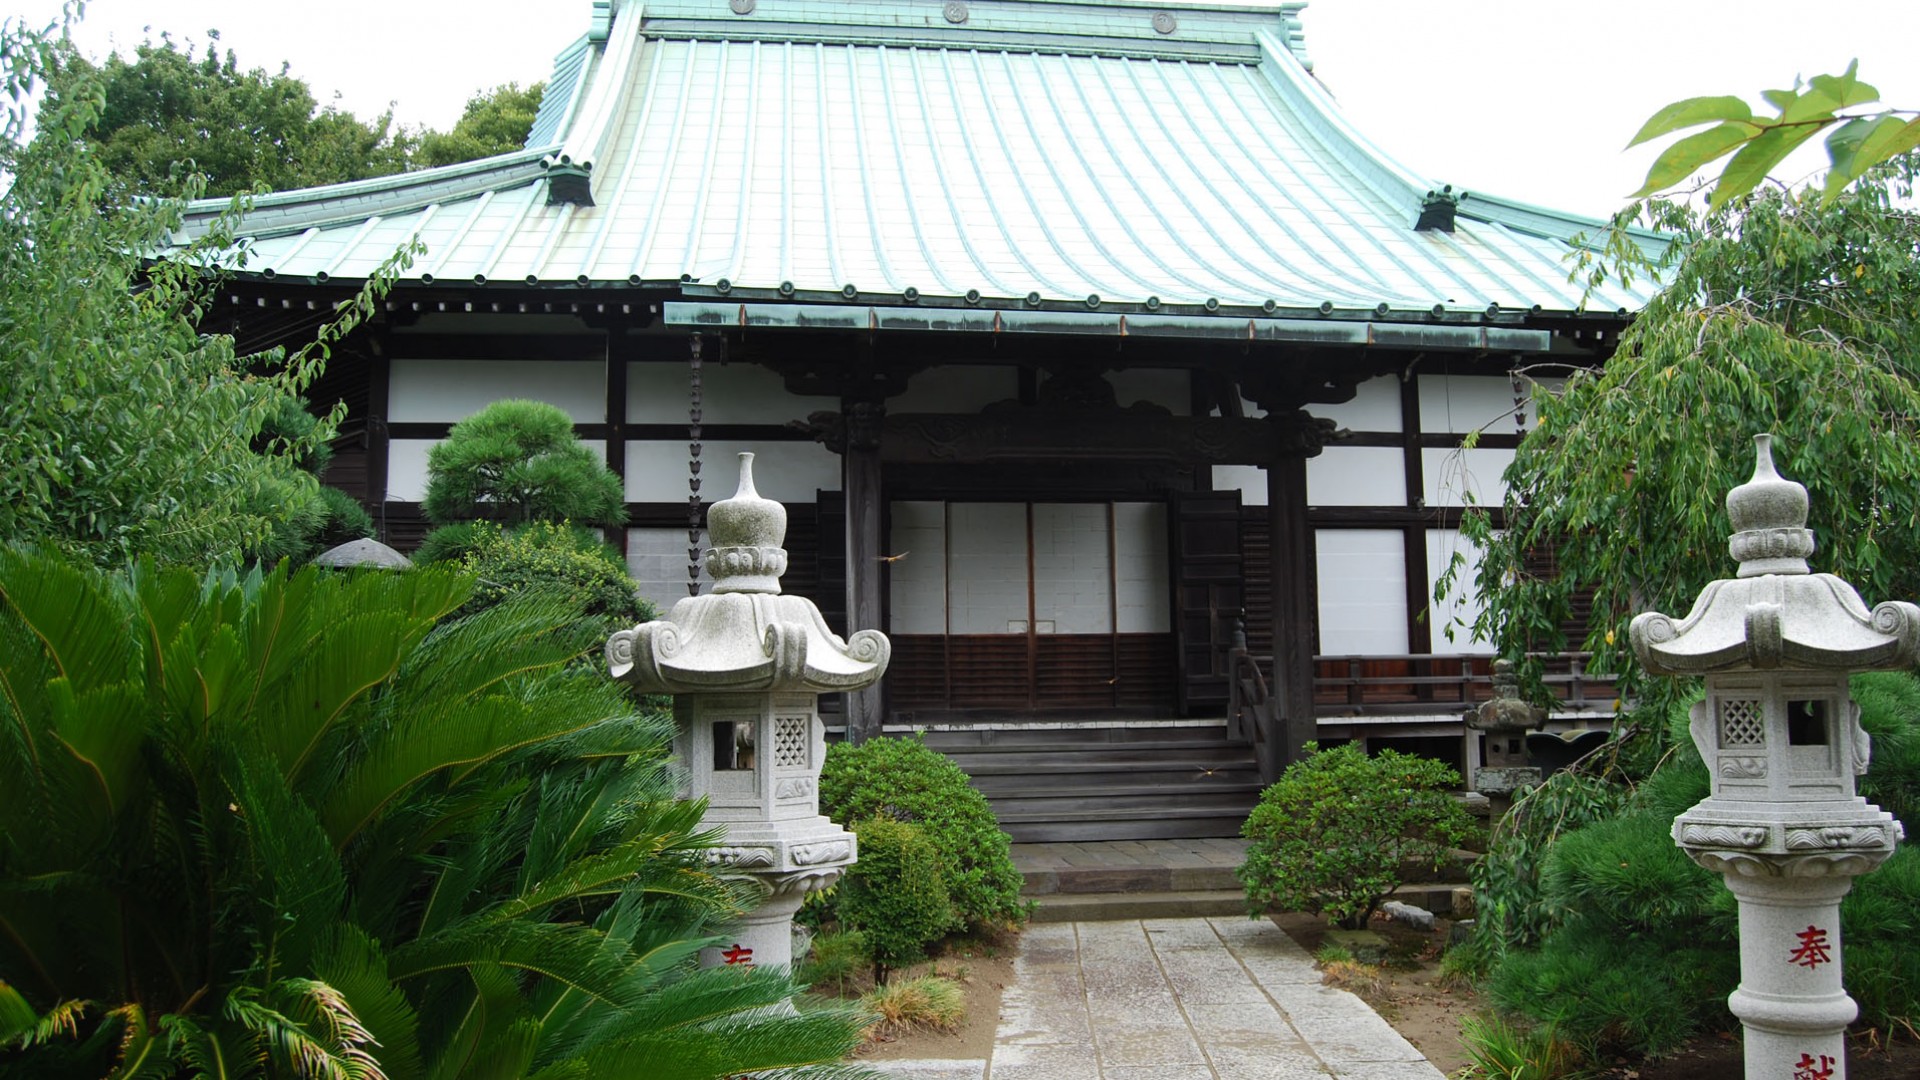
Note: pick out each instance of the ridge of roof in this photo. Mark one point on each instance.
(1179, 29)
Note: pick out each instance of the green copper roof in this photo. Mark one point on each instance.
(1116, 156)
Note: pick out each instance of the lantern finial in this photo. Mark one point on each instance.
(1769, 514)
(746, 533)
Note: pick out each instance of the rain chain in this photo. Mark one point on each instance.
(693, 466)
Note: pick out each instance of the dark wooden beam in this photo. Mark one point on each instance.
(865, 499)
(1290, 549)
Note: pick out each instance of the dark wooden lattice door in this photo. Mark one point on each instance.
(1209, 592)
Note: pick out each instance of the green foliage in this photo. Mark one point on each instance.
(1879, 921)
(904, 779)
(895, 895)
(1499, 1051)
(1511, 909)
(1784, 314)
(1890, 713)
(1627, 945)
(517, 461)
(1858, 139)
(451, 543)
(1332, 833)
(123, 430)
(168, 113)
(345, 520)
(835, 958)
(496, 121)
(544, 555)
(306, 824)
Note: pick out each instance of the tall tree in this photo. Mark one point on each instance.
(1786, 312)
(123, 430)
(496, 121)
(174, 110)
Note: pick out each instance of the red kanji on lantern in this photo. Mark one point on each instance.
(1809, 1069)
(737, 955)
(1812, 950)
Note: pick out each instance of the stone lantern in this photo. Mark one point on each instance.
(1505, 720)
(746, 666)
(1782, 741)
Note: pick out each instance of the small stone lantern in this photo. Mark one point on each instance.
(1782, 741)
(746, 666)
(1505, 719)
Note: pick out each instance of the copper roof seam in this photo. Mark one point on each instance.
(666, 160)
(1333, 206)
(1326, 123)
(300, 244)
(940, 173)
(907, 187)
(834, 268)
(786, 165)
(436, 260)
(697, 219)
(351, 246)
(973, 155)
(551, 242)
(610, 206)
(418, 232)
(742, 212)
(505, 239)
(1139, 286)
(1358, 290)
(1558, 288)
(876, 234)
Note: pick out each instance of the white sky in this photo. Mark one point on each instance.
(1528, 99)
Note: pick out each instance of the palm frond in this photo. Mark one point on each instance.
(77, 612)
(352, 963)
(571, 955)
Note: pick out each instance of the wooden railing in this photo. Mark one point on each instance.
(1407, 685)
(1428, 682)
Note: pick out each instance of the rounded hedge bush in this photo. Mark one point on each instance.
(894, 896)
(906, 780)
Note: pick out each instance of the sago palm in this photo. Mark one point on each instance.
(303, 824)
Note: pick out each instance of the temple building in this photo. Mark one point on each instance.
(1083, 340)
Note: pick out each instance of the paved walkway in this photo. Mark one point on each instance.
(1225, 998)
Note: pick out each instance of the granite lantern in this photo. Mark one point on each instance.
(1505, 720)
(1782, 741)
(746, 666)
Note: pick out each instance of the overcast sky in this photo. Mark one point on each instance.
(1528, 99)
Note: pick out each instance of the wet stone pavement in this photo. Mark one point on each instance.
(1226, 998)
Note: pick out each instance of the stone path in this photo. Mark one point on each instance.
(1225, 998)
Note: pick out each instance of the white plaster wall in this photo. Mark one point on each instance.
(1357, 476)
(917, 584)
(1072, 569)
(1363, 592)
(1140, 568)
(445, 391)
(729, 394)
(783, 471)
(1249, 480)
(1449, 476)
(1375, 406)
(407, 467)
(1457, 610)
(987, 566)
(956, 389)
(1170, 389)
(657, 558)
(1461, 403)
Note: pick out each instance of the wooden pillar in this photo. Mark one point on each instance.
(619, 348)
(379, 398)
(1291, 552)
(860, 484)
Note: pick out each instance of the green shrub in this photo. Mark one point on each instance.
(1511, 912)
(894, 895)
(1880, 920)
(346, 520)
(452, 542)
(905, 779)
(573, 561)
(1613, 992)
(518, 461)
(1332, 833)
